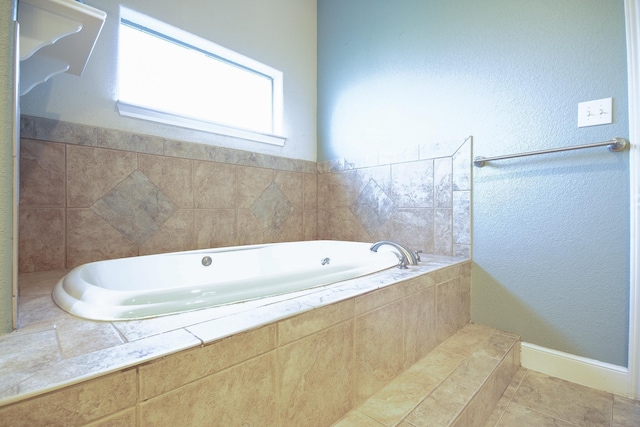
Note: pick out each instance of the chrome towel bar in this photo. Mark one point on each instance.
(615, 144)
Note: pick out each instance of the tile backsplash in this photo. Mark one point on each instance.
(89, 193)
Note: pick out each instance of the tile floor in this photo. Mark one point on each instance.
(536, 400)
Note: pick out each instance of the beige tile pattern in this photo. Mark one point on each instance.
(282, 374)
(251, 183)
(121, 419)
(136, 207)
(75, 405)
(18, 365)
(518, 415)
(90, 238)
(313, 321)
(109, 138)
(420, 315)
(175, 235)
(172, 175)
(412, 184)
(150, 195)
(214, 185)
(42, 174)
(242, 395)
(316, 379)
(169, 373)
(379, 349)
(295, 370)
(421, 202)
(310, 192)
(396, 400)
(76, 336)
(443, 174)
(442, 406)
(41, 239)
(445, 388)
(451, 309)
(535, 399)
(57, 131)
(357, 419)
(563, 400)
(626, 412)
(250, 378)
(92, 172)
(487, 394)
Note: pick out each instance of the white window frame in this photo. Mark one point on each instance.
(147, 113)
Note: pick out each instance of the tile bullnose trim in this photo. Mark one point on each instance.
(44, 129)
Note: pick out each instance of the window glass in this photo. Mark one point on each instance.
(169, 75)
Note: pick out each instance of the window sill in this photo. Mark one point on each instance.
(144, 113)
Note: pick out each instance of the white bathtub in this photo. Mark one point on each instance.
(155, 285)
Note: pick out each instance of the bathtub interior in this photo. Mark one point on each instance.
(155, 285)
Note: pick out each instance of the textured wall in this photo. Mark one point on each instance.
(7, 9)
(279, 33)
(550, 234)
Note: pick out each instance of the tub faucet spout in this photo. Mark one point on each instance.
(406, 256)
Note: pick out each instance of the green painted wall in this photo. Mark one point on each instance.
(550, 233)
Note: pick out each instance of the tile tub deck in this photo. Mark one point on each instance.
(53, 350)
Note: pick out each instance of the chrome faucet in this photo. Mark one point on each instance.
(405, 256)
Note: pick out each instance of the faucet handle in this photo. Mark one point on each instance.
(417, 253)
(402, 260)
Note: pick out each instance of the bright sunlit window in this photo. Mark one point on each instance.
(171, 76)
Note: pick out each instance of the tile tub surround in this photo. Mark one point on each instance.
(89, 193)
(302, 359)
(421, 197)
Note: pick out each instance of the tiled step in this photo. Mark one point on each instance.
(456, 384)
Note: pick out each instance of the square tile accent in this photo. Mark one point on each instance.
(136, 207)
(272, 208)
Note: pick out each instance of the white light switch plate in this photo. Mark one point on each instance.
(598, 112)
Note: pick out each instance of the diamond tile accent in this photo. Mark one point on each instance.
(373, 207)
(136, 207)
(272, 208)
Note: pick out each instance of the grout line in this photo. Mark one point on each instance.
(511, 398)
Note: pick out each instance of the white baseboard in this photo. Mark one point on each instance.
(579, 370)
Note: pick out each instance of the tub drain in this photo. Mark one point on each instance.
(206, 261)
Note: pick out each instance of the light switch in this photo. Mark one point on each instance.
(598, 112)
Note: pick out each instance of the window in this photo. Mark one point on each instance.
(171, 76)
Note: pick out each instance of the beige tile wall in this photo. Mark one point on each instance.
(308, 370)
(413, 198)
(89, 193)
